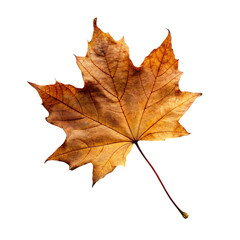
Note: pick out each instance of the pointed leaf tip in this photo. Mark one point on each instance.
(169, 33)
(76, 57)
(29, 83)
(34, 85)
(95, 22)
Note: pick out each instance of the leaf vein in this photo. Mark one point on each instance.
(87, 116)
(97, 80)
(88, 148)
(165, 115)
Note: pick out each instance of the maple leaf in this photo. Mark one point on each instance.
(119, 105)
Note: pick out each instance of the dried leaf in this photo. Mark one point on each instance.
(119, 105)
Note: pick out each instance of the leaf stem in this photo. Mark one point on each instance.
(184, 214)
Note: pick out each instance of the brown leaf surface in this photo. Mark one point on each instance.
(119, 104)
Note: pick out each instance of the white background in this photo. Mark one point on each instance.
(201, 171)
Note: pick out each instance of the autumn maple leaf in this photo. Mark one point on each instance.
(119, 105)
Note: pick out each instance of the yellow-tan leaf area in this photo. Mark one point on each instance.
(119, 104)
